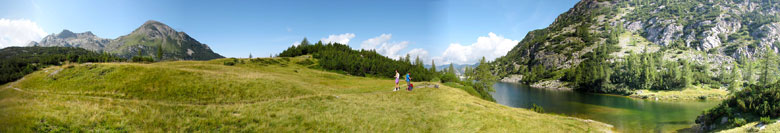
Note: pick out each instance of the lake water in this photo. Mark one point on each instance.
(626, 114)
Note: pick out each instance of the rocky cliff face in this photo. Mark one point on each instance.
(143, 41)
(733, 29)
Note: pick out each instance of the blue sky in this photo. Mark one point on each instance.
(446, 31)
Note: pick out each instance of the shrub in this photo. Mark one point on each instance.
(739, 122)
(537, 108)
(766, 120)
(229, 63)
(448, 77)
(305, 62)
(436, 79)
(144, 59)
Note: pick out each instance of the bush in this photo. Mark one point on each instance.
(738, 122)
(448, 77)
(229, 63)
(305, 62)
(766, 120)
(537, 108)
(436, 79)
(144, 59)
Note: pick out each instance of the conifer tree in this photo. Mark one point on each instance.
(451, 69)
(305, 41)
(433, 66)
(159, 52)
(736, 80)
(768, 68)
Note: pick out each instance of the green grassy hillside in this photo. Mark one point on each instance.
(280, 94)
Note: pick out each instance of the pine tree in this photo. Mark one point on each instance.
(687, 73)
(159, 52)
(250, 55)
(418, 62)
(408, 59)
(484, 78)
(433, 66)
(768, 68)
(723, 75)
(451, 69)
(305, 41)
(468, 73)
(736, 78)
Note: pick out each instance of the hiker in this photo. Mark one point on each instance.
(397, 76)
(408, 82)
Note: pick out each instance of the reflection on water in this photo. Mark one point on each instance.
(626, 114)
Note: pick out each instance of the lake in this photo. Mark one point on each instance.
(626, 114)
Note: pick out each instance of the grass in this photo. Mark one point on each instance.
(691, 93)
(186, 96)
(751, 127)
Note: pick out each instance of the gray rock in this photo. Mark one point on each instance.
(66, 38)
(663, 32)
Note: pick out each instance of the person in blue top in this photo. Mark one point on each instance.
(408, 82)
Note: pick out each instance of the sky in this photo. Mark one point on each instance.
(446, 31)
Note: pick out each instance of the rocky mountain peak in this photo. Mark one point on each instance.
(66, 34)
(154, 29)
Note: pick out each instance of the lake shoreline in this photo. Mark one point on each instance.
(689, 94)
(626, 114)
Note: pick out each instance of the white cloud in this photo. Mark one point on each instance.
(383, 46)
(418, 52)
(491, 47)
(296, 43)
(340, 38)
(19, 32)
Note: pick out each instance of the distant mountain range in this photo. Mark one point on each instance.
(459, 68)
(149, 39)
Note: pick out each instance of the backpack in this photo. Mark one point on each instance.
(411, 86)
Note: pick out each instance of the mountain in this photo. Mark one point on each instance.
(459, 68)
(144, 41)
(627, 47)
(709, 32)
(66, 38)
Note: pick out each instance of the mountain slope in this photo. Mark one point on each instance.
(268, 94)
(143, 41)
(710, 31)
(153, 35)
